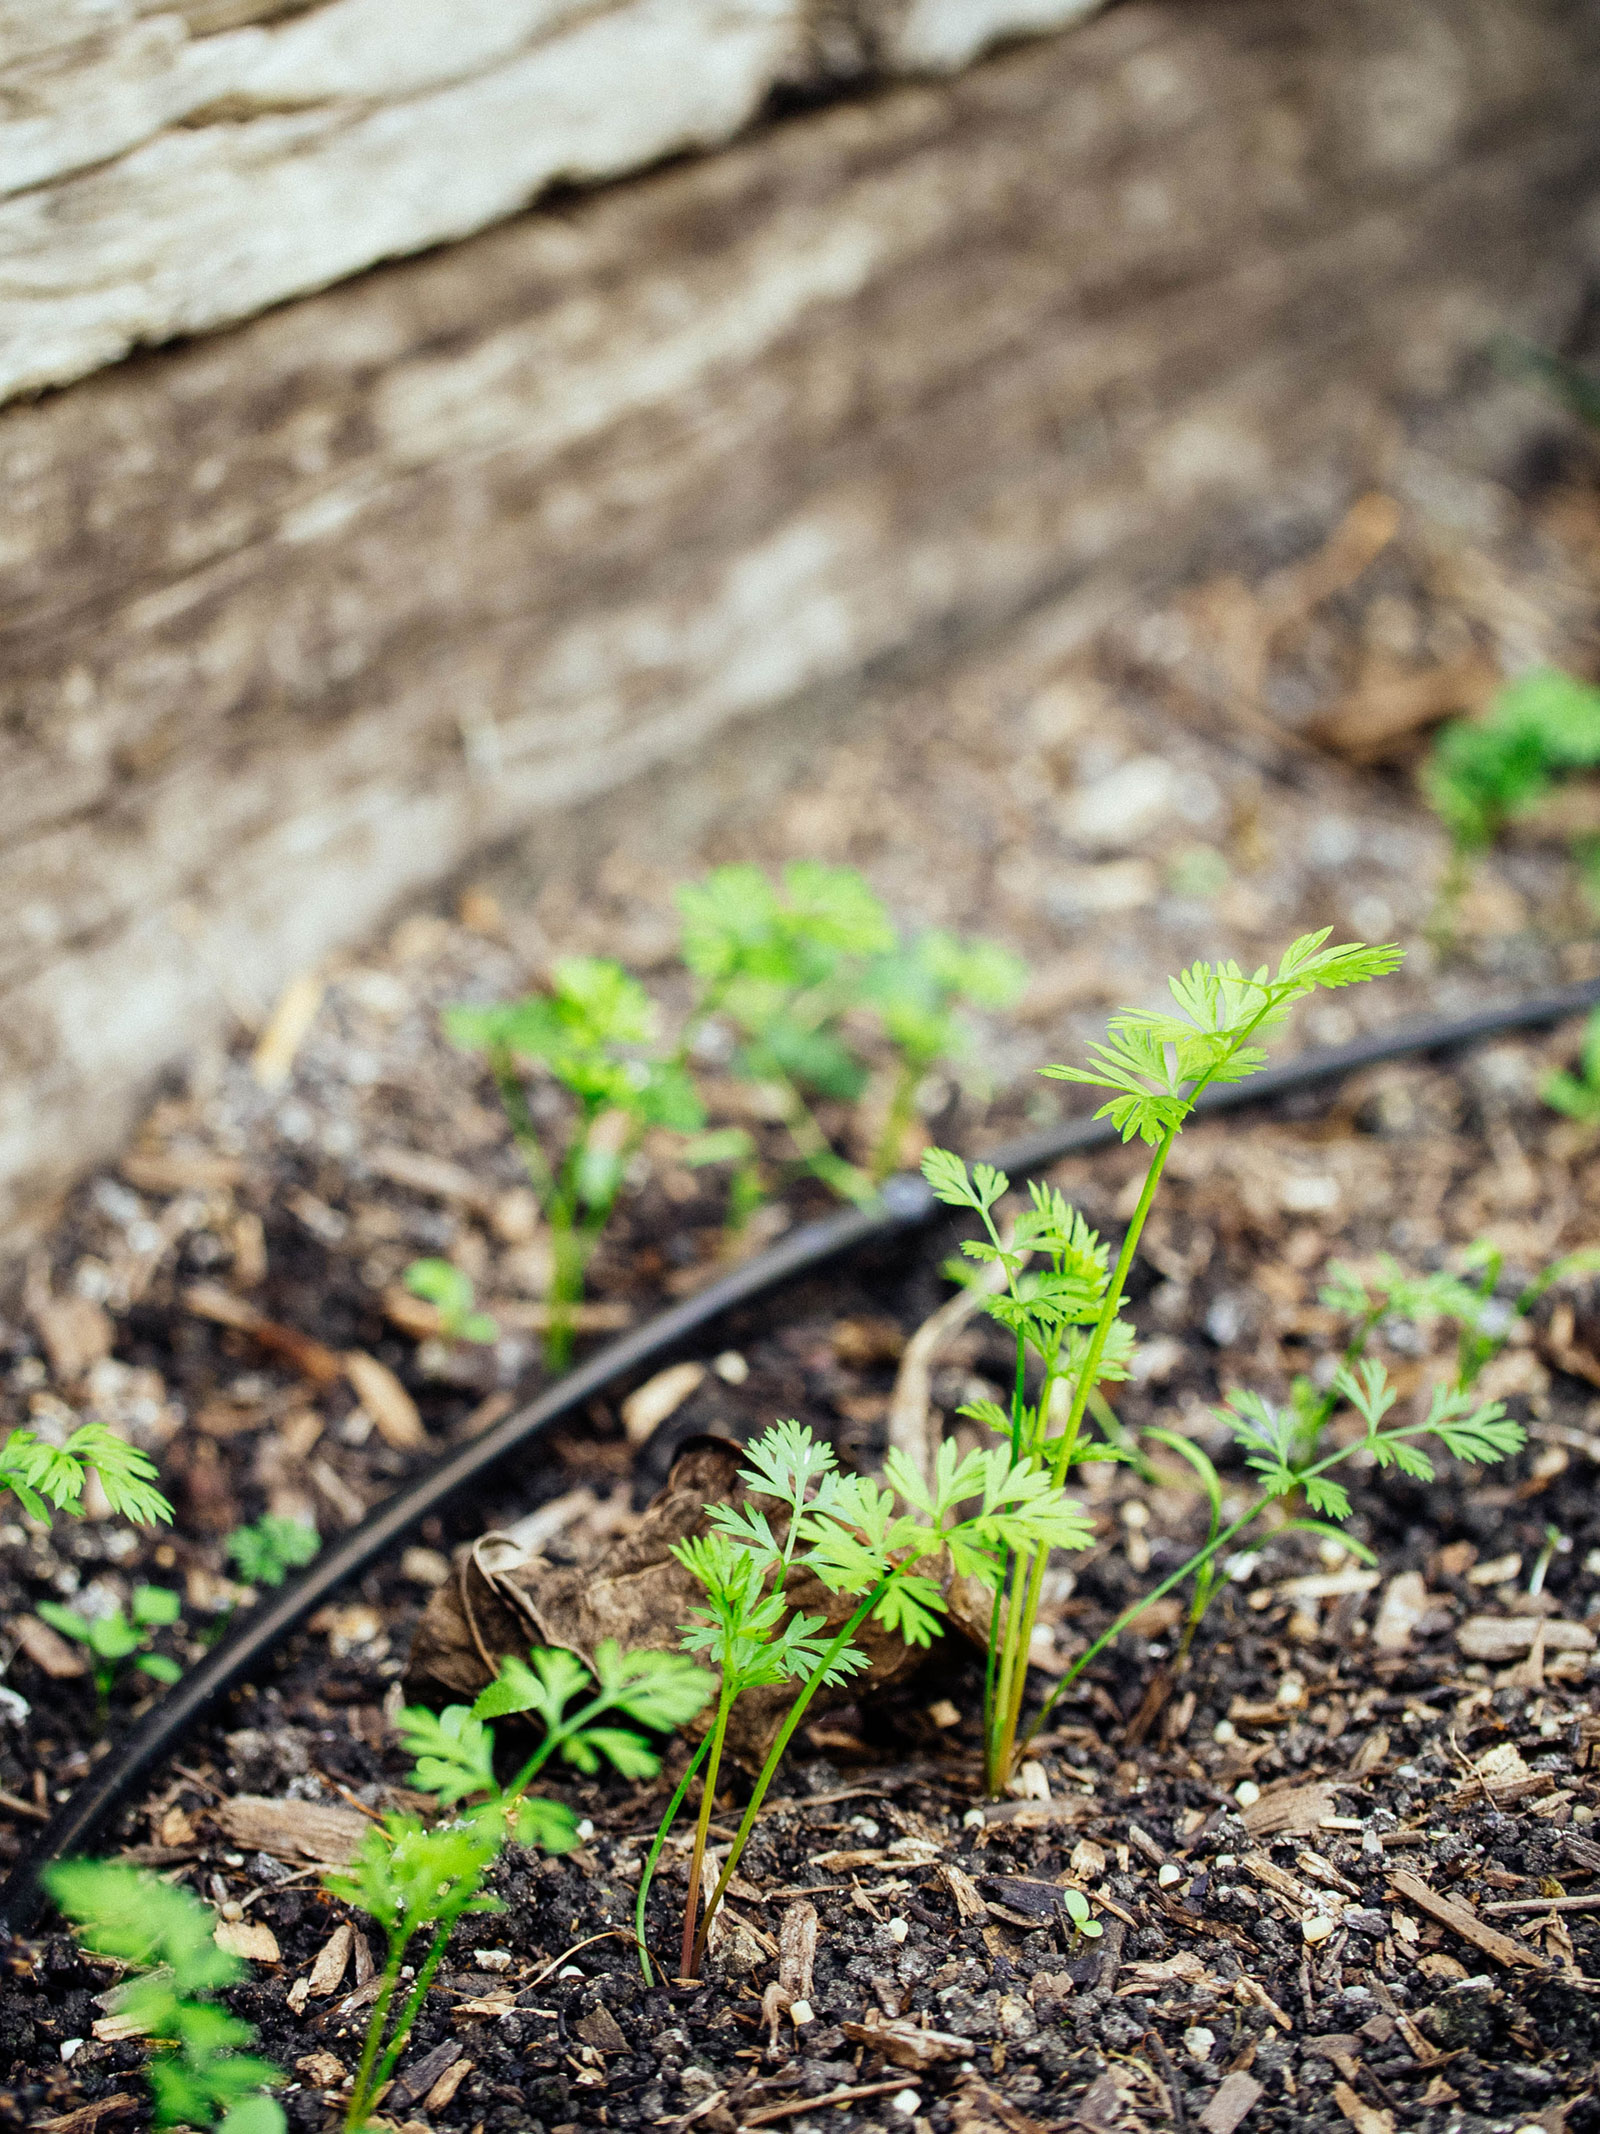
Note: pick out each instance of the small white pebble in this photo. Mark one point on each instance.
(233, 1859)
(898, 1930)
(1167, 1874)
(569, 1971)
(973, 1819)
(585, 1831)
(71, 2045)
(232, 1909)
(1247, 1793)
(1199, 2042)
(906, 2102)
(1225, 1860)
(1224, 1731)
(492, 1959)
(864, 1823)
(731, 1367)
(1316, 1926)
(801, 2013)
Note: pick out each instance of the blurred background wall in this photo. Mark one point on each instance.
(889, 340)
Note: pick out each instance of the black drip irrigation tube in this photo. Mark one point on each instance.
(905, 1204)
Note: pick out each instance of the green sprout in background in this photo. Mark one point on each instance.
(590, 1035)
(202, 2076)
(114, 1639)
(264, 1554)
(1577, 1096)
(451, 1293)
(798, 976)
(1485, 773)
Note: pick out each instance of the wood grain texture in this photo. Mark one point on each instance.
(296, 619)
(171, 171)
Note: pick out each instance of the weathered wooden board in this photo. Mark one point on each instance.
(172, 169)
(295, 619)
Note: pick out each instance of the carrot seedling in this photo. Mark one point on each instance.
(201, 2075)
(41, 1476)
(1065, 1316)
(589, 1036)
(410, 1881)
(1484, 773)
(264, 1554)
(880, 1546)
(455, 1748)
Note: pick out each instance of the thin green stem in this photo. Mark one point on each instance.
(414, 2000)
(1137, 1608)
(796, 1713)
(647, 1872)
(361, 2094)
(693, 1941)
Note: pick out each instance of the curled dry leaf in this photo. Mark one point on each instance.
(504, 1598)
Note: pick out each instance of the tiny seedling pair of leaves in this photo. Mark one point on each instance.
(444, 1285)
(202, 2071)
(115, 1637)
(44, 1476)
(265, 1553)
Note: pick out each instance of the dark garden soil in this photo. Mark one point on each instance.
(1346, 1863)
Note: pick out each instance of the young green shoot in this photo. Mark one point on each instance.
(1065, 1316)
(918, 992)
(1485, 773)
(1577, 1096)
(1272, 1440)
(409, 1881)
(265, 1553)
(1085, 1927)
(880, 1546)
(590, 1037)
(43, 1476)
(202, 2076)
(443, 1285)
(114, 1639)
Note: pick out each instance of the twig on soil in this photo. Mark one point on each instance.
(768, 2113)
(30, 1809)
(1545, 1904)
(1449, 1912)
